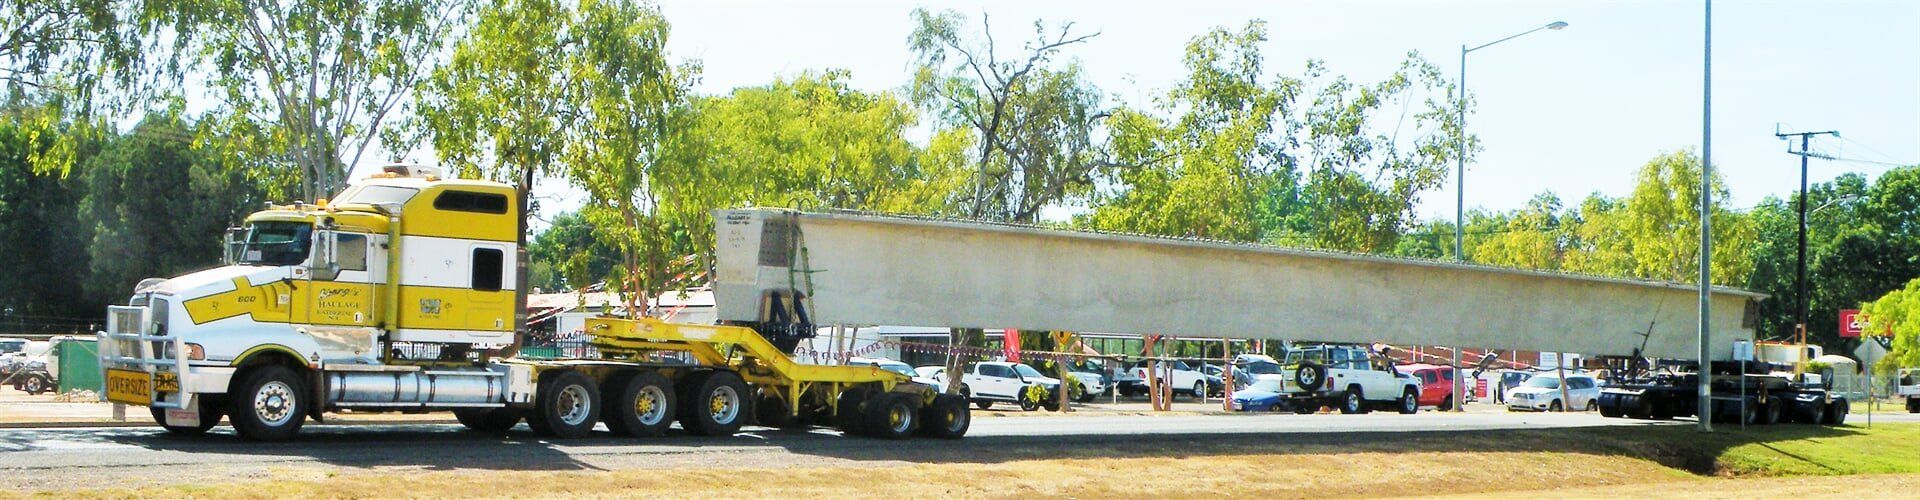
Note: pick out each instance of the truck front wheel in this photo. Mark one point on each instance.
(269, 404)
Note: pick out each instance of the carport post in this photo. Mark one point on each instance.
(1226, 383)
(1459, 403)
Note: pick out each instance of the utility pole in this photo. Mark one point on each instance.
(1704, 405)
(1800, 281)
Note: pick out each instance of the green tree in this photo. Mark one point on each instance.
(149, 193)
(1899, 312)
(41, 237)
(313, 81)
(1654, 233)
(570, 255)
(1528, 238)
(1032, 121)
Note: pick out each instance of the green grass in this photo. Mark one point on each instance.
(1777, 450)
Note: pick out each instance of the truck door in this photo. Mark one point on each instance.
(340, 290)
(491, 293)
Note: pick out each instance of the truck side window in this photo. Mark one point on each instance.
(488, 268)
(351, 252)
(468, 201)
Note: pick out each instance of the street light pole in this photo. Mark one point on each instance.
(1460, 183)
(1704, 405)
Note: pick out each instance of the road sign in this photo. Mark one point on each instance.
(1852, 323)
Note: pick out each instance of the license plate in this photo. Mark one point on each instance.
(129, 387)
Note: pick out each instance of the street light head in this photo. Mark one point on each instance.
(1557, 25)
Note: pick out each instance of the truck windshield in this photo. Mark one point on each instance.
(275, 243)
(1027, 371)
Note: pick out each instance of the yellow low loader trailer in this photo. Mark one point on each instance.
(391, 297)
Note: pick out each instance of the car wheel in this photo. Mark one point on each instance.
(1553, 406)
(1447, 404)
(983, 404)
(35, 384)
(1199, 389)
(1409, 403)
(1591, 406)
(1352, 402)
(1027, 403)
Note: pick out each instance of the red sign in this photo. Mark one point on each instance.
(1012, 343)
(1852, 323)
(1480, 388)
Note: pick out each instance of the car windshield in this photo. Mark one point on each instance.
(1027, 371)
(1544, 382)
(1266, 385)
(275, 243)
(1261, 368)
(6, 347)
(900, 368)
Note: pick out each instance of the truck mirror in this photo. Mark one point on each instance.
(324, 266)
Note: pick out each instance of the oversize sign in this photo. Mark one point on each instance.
(1852, 323)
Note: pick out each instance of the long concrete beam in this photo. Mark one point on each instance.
(884, 270)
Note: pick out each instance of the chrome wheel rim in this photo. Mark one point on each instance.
(648, 405)
(574, 405)
(900, 418)
(273, 403)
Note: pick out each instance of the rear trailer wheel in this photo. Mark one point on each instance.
(1770, 412)
(565, 405)
(269, 404)
(1836, 414)
(848, 416)
(492, 420)
(946, 418)
(771, 410)
(1913, 405)
(642, 405)
(209, 417)
(719, 406)
(1409, 403)
(891, 415)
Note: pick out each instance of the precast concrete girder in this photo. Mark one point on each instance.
(863, 269)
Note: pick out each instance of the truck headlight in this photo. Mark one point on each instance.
(195, 352)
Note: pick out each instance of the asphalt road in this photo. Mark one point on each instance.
(124, 456)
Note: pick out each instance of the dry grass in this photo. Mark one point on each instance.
(1849, 487)
(1284, 476)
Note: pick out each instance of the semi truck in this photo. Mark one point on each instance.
(398, 295)
(1772, 388)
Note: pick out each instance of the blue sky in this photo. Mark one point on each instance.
(1571, 111)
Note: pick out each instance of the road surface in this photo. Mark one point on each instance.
(138, 456)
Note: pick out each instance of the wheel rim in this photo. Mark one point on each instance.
(1353, 401)
(648, 405)
(1307, 377)
(1409, 404)
(899, 418)
(723, 404)
(956, 418)
(33, 385)
(273, 403)
(573, 404)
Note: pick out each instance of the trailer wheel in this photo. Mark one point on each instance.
(209, 417)
(1769, 412)
(269, 404)
(849, 418)
(1409, 403)
(946, 418)
(489, 420)
(719, 406)
(642, 405)
(891, 416)
(1353, 402)
(565, 405)
(1913, 405)
(1836, 413)
(1812, 412)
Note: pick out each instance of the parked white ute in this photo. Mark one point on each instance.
(1542, 393)
(1348, 378)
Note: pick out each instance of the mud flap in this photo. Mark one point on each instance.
(186, 417)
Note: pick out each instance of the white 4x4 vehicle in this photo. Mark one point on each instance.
(1345, 377)
(1183, 379)
(988, 382)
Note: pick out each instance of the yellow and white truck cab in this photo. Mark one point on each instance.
(403, 259)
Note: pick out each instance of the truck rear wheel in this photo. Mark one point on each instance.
(209, 417)
(1913, 405)
(1353, 402)
(490, 420)
(565, 405)
(719, 406)
(1836, 413)
(642, 405)
(946, 418)
(269, 404)
(1770, 412)
(891, 415)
